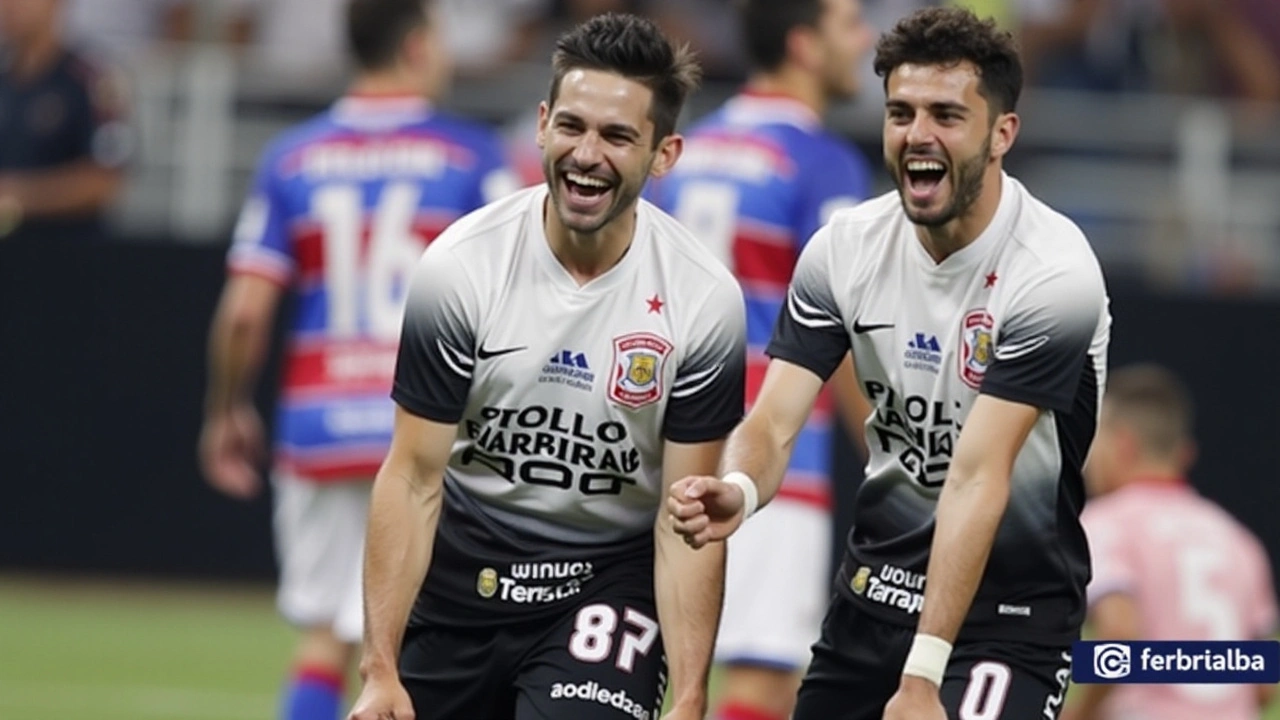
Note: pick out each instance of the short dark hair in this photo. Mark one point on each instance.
(951, 35)
(377, 28)
(1152, 402)
(636, 49)
(766, 24)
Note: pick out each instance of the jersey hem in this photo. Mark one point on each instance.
(424, 409)
(1042, 400)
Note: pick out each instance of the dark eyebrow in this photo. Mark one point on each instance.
(628, 131)
(951, 107)
(935, 107)
(620, 129)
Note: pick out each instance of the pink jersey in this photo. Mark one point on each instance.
(1195, 573)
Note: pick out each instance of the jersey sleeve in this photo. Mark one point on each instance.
(809, 331)
(709, 392)
(1044, 342)
(260, 244)
(1114, 569)
(836, 179)
(1263, 619)
(437, 342)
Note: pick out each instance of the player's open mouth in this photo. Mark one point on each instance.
(585, 192)
(923, 177)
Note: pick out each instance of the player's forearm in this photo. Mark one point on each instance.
(689, 586)
(403, 515)
(237, 350)
(75, 188)
(761, 449)
(968, 514)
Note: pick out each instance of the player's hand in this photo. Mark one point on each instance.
(232, 448)
(705, 509)
(916, 699)
(382, 698)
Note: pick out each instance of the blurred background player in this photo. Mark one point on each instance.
(758, 177)
(62, 139)
(1168, 564)
(341, 210)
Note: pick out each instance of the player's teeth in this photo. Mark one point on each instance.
(586, 180)
(925, 166)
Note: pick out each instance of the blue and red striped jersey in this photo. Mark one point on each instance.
(340, 211)
(757, 178)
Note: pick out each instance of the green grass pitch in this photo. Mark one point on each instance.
(71, 650)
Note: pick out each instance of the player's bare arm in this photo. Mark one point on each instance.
(1114, 617)
(972, 502)
(688, 586)
(853, 406)
(705, 508)
(403, 513)
(232, 441)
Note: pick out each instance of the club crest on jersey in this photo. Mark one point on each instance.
(977, 346)
(638, 359)
(859, 582)
(487, 583)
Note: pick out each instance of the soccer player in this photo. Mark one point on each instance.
(341, 210)
(568, 353)
(977, 317)
(1168, 564)
(757, 178)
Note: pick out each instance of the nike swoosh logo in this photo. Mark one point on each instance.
(483, 354)
(859, 328)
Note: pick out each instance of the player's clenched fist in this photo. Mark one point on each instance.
(705, 509)
(382, 699)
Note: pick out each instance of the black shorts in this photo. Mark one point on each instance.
(600, 660)
(857, 666)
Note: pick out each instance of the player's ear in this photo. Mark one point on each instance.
(544, 113)
(804, 47)
(1003, 133)
(669, 150)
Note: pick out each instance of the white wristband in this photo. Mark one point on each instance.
(750, 495)
(928, 658)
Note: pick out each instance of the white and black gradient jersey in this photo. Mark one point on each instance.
(1019, 314)
(564, 394)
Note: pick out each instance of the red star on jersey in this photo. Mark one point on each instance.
(991, 279)
(655, 304)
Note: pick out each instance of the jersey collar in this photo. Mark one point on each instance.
(367, 110)
(558, 274)
(752, 107)
(964, 259)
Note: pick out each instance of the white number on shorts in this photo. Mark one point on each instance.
(987, 690)
(592, 638)
(633, 645)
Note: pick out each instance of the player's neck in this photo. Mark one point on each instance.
(388, 83)
(792, 83)
(943, 241)
(587, 256)
(1155, 472)
(36, 56)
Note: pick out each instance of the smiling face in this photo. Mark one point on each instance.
(940, 139)
(598, 147)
